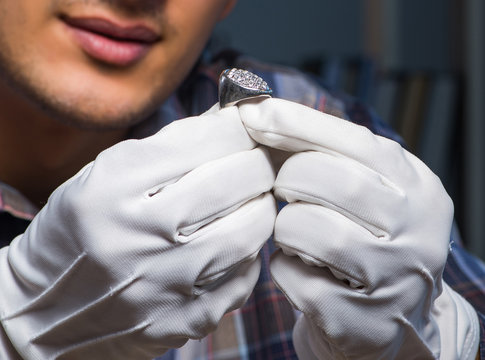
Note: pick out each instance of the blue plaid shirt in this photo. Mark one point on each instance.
(262, 328)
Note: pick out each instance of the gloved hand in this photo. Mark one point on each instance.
(147, 246)
(364, 240)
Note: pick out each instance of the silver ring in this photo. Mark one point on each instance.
(236, 85)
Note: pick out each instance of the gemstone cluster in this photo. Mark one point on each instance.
(247, 79)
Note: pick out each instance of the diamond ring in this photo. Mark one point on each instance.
(236, 85)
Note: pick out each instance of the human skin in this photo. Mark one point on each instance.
(62, 104)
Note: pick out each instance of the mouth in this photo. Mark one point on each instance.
(109, 42)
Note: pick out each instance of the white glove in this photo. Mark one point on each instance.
(7, 351)
(364, 241)
(146, 247)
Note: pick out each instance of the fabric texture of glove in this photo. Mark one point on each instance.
(364, 240)
(7, 351)
(146, 247)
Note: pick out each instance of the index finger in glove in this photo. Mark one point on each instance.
(293, 127)
(179, 148)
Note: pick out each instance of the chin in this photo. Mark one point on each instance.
(99, 118)
(82, 108)
(94, 113)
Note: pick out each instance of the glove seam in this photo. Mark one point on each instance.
(62, 277)
(112, 291)
(209, 281)
(140, 327)
(362, 288)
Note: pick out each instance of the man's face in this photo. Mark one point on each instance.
(102, 63)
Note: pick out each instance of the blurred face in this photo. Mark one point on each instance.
(102, 63)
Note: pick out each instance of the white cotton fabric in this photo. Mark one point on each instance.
(146, 247)
(364, 240)
(7, 351)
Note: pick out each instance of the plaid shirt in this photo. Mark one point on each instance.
(262, 328)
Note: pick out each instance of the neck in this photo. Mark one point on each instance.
(38, 153)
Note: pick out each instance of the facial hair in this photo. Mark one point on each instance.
(18, 79)
(146, 8)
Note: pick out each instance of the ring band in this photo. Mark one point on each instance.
(236, 85)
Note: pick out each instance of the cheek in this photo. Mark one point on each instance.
(194, 27)
(11, 25)
(24, 28)
(190, 30)
(186, 35)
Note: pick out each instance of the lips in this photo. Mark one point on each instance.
(111, 43)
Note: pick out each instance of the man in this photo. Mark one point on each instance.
(150, 244)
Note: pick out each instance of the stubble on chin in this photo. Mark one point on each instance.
(144, 8)
(88, 114)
